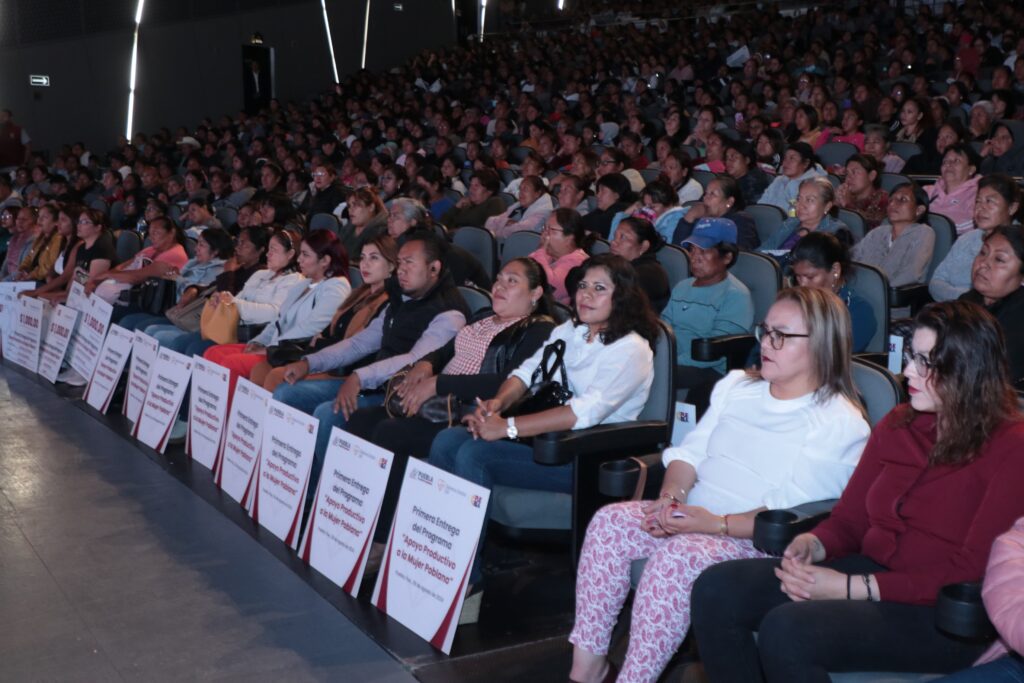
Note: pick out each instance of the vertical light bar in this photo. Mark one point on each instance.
(330, 40)
(131, 77)
(483, 18)
(366, 32)
(561, 5)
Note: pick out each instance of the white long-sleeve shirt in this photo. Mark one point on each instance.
(752, 450)
(609, 382)
(261, 298)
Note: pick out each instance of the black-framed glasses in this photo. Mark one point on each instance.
(922, 365)
(777, 338)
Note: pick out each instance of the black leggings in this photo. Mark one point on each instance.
(804, 641)
(403, 436)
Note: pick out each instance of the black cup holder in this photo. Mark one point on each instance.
(618, 478)
(774, 529)
(960, 612)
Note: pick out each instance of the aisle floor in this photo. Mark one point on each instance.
(112, 570)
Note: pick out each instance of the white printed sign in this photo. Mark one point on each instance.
(55, 343)
(77, 298)
(208, 411)
(895, 354)
(430, 551)
(8, 308)
(684, 420)
(144, 350)
(28, 317)
(236, 465)
(170, 376)
(282, 473)
(113, 357)
(88, 337)
(346, 508)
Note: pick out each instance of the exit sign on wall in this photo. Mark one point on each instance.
(39, 80)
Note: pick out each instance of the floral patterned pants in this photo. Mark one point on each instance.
(661, 606)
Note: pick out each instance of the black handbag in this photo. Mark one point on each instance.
(545, 391)
(288, 351)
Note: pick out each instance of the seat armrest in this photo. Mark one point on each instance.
(775, 529)
(959, 611)
(735, 348)
(639, 437)
(619, 478)
(914, 296)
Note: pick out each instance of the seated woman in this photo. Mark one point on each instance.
(473, 364)
(821, 260)
(68, 230)
(711, 303)
(166, 254)
(23, 234)
(741, 165)
(939, 479)
(638, 242)
(213, 249)
(953, 194)
(902, 246)
(807, 126)
(609, 361)
(801, 410)
(929, 161)
(798, 164)
(1002, 152)
(861, 190)
(45, 248)
(89, 259)
(722, 199)
(997, 283)
(714, 154)
(676, 169)
(363, 305)
(815, 205)
(563, 245)
(408, 215)
(658, 205)
(367, 218)
(307, 309)
(877, 145)
(529, 213)
(1003, 595)
(997, 203)
(431, 180)
(613, 195)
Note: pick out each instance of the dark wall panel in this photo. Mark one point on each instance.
(189, 57)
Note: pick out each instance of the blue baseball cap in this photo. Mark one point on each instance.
(712, 231)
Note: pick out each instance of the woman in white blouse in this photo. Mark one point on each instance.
(609, 365)
(789, 435)
(308, 307)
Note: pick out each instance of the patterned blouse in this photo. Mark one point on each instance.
(873, 207)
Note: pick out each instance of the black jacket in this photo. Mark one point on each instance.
(507, 351)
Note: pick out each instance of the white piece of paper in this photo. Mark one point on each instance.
(8, 307)
(236, 464)
(895, 354)
(28, 318)
(55, 343)
(167, 385)
(430, 551)
(87, 340)
(346, 509)
(144, 350)
(208, 411)
(77, 298)
(117, 347)
(282, 473)
(683, 422)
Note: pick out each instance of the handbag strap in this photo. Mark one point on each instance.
(553, 360)
(641, 479)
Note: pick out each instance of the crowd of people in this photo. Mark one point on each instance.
(328, 233)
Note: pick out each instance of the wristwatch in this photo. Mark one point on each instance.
(512, 432)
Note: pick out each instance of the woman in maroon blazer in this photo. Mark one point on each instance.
(940, 478)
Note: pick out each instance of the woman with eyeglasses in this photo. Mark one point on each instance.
(787, 434)
(563, 241)
(91, 257)
(939, 479)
